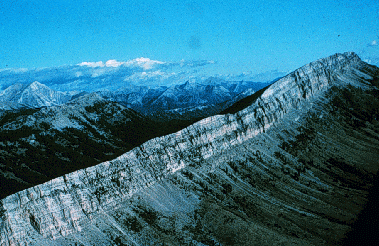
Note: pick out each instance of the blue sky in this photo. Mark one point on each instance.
(238, 35)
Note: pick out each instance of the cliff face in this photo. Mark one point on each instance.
(285, 169)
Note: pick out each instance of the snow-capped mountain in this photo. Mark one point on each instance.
(33, 95)
(291, 165)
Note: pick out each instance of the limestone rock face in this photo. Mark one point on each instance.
(284, 170)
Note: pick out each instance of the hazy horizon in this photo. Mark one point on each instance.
(255, 36)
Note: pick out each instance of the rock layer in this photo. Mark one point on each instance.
(282, 170)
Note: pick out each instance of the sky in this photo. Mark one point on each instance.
(239, 36)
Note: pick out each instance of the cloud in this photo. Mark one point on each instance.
(142, 62)
(187, 64)
(113, 63)
(146, 63)
(109, 63)
(14, 70)
(373, 43)
(373, 60)
(92, 64)
(198, 63)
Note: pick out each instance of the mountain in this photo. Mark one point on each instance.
(262, 77)
(33, 95)
(39, 144)
(37, 141)
(188, 101)
(292, 165)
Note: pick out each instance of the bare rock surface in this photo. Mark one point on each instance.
(293, 168)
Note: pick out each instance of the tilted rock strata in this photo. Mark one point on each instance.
(69, 204)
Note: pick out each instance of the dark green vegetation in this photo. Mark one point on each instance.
(30, 155)
(244, 103)
(365, 227)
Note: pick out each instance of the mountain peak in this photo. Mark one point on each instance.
(34, 95)
(185, 85)
(308, 81)
(338, 60)
(213, 80)
(317, 76)
(37, 84)
(87, 99)
(39, 88)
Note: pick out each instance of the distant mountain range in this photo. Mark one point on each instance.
(161, 91)
(188, 101)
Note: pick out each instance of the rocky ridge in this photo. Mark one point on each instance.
(219, 165)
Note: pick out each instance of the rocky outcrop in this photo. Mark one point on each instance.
(179, 188)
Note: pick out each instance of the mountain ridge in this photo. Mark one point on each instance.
(199, 172)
